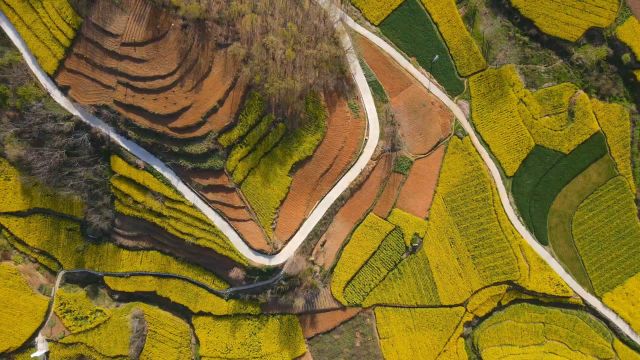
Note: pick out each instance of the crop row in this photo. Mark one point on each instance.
(139, 194)
(389, 254)
(249, 142)
(533, 331)
(615, 123)
(376, 10)
(47, 26)
(463, 49)
(252, 159)
(62, 239)
(568, 19)
(76, 311)
(196, 299)
(606, 231)
(361, 246)
(269, 337)
(250, 115)
(22, 309)
(268, 183)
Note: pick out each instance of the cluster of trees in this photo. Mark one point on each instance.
(51, 146)
(288, 48)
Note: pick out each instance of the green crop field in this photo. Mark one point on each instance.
(411, 29)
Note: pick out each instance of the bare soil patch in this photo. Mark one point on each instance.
(422, 119)
(335, 154)
(389, 195)
(417, 193)
(635, 7)
(318, 323)
(351, 213)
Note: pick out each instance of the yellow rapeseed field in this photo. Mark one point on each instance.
(628, 33)
(406, 333)
(615, 122)
(76, 311)
(463, 49)
(195, 298)
(267, 337)
(376, 10)
(625, 301)
(568, 19)
(495, 115)
(22, 310)
(47, 26)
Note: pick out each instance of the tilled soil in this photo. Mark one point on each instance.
(318, 323)
(337, 151)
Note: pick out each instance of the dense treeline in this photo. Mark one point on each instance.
(289, 48)
(51, 146)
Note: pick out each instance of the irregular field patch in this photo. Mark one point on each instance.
(376, 10)
(411, 29)
(419, 188)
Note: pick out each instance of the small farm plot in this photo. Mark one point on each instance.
(625, 300)
(568, 20)
(411, 29)
(376, 10)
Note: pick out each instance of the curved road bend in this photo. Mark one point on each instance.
(589, 298)
(373, 133)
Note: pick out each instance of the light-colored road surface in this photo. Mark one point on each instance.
(373, 133)
(372, 139)
(590, 299)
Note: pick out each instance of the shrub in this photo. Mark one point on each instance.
(534, 331)
(196, 299)
(606, 230)
(411, 29)
(376, 10)
(405, 333)
(402, 165)
(463, 49)
(268, 184)
(22, 310)
(570, 19)
(249, 337)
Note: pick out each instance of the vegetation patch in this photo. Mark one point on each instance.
(463, 49)
(570, 19)
(411, 29)
(273, 171)
(354, 339)
(606, 230)
(406, 332)
(625, 300)
(23, 310)
(542, 176)
(249, 337)
(77, 311)
(47, 26)
(534, 331)
(402, 165)
(376, 10)
(196, 299)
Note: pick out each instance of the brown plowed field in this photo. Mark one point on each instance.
(337, 151)
(422, 119)
(351, 213)
(417, 193)
(165, 74)
(318, 323)
(389, 195)
(635, 7)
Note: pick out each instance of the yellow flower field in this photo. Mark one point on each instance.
(376, 10)
(628, 34)
(76, 311)
(22, 310)
(625, 301)
(568, 19)
(463, 49)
